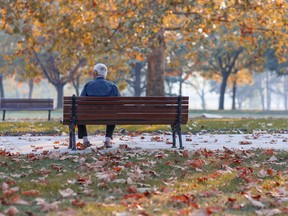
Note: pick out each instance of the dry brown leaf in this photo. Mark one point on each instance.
(11, 211)
(18, 201)
(10, 191)
(67, 193)
(132, 189)
(31, 193)
(123, 146)
(254, 202)
(69, 211)
(50, 206)
(245, 142)
(78, 203)
(268, 212)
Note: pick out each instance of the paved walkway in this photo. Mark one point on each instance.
(39, 144)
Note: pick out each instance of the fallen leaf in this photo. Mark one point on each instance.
(185, 153)
(78, 203)
(67, 193)
(10, 191)
(50, 206)
(31, 193)
(132, 189)
(123, 146)
(11, 211)
(245, 142)
(117, 168)
(157, 139)
(254, 202)
(268, 212)
(273, 159)
(18, 201)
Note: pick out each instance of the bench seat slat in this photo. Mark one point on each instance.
(126, 115)
(125, 122)
(141, 117)
(127, 110)
(121, 122)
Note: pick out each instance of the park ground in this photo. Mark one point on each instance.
(246, 179)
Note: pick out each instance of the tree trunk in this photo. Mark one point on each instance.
(285, 82)
(203, 101)
(60, 93)
(156, 65)
(259, 82)
(2, 87)
(181, 81)
(234, 95)
(239, 104)
(268, 92)
(31, 86)
(137, 83)
(76, 84)
(222, 90)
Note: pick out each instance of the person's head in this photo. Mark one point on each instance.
(100, 70)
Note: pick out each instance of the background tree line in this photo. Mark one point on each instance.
(61, 40)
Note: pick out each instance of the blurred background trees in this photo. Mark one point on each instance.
(152, 47)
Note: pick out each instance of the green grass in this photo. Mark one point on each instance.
(146, 182)
(195, 125)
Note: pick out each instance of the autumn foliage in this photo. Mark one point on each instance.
(116, 31)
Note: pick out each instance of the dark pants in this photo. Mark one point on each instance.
(82, 131)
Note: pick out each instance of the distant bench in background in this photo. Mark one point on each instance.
(15, 104)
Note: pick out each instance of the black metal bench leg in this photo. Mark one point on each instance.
(180, 140)
(70, 137)
(173, 136)
(73, 139)
(49, 115)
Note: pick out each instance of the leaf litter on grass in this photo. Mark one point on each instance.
(145, 182)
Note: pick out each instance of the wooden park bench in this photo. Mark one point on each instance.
(15, 104)
(125, 111)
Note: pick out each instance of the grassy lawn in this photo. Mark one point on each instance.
(146, 182)
(232, 122)
(197, 125)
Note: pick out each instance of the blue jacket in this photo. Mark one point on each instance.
(100, 87)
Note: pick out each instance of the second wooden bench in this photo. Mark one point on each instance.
(34, 104)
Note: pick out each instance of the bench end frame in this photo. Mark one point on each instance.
(72, 138)
(176, 128)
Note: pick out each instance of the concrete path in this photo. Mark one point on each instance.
(38, 144)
